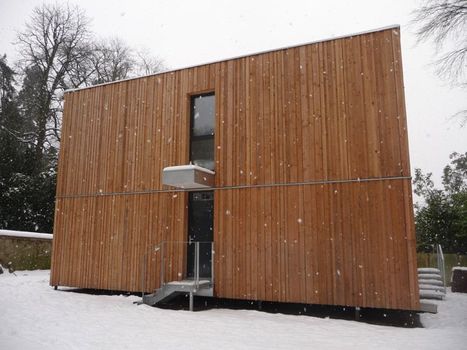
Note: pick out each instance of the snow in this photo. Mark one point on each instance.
(25, 234)
(459, 268)
(34, 316)
(188, 282)
(188, 167)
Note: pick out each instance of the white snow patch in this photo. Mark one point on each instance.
(34, 316)
(188, 167)
(25, 234)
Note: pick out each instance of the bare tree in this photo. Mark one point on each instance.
(50, 46)
(441, 20)
(147, 64)
(445, 22)
(58, 52)
(111, 60)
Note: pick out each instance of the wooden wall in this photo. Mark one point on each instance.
(312, 199)
(342, 244)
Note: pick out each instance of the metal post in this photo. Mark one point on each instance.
(196, 265)
(440, 258)
(212, 263)
(191, 300)
(357, 313)
(162, 265)
(143, 275)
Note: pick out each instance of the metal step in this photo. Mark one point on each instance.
(159, 295)
(432, 276)
(431, 287)
(428, 270)
(428, 306)
(431, 282)
(203, 287)
(431, 294)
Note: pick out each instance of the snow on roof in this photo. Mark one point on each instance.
(459, 268)
(25, 234)
(188, 167)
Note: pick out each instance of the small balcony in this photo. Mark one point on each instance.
(188, 177)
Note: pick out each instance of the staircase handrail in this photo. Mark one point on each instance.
(160, 247)
(441, 263)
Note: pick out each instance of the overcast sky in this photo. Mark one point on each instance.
(186, 33)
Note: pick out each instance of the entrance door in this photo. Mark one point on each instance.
(200, 229)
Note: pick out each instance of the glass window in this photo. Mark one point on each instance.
(202, 130)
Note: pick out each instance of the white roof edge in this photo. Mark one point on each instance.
(188, 167)
(24, 234)
(392, 26)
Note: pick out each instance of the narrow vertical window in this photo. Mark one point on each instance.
(202, 130)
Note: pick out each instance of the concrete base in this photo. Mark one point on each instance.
(428, 306)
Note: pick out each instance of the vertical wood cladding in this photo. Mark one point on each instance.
(341, 244)
(323, 112)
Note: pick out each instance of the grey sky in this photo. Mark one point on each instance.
(186, 33)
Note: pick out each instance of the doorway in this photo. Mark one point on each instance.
(200, 229)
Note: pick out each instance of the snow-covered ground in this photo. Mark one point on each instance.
(34, 316)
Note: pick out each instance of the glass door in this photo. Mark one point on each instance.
(200, 229)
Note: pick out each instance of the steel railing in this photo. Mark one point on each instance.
(165, 252)
(441, 264)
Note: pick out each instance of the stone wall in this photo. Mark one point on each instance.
(21, 253)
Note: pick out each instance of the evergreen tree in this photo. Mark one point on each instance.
(442, 218)
(27, 196)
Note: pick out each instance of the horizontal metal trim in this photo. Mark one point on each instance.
(393, 26)
(280, 184)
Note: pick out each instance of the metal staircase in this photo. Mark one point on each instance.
(171, 289)
(432, 282)
(191, 285)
